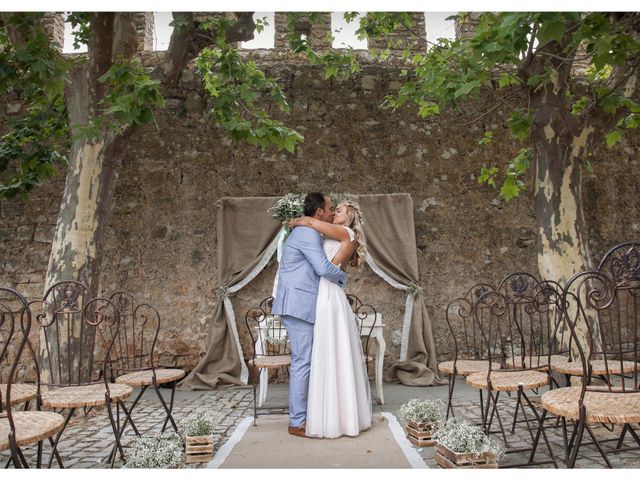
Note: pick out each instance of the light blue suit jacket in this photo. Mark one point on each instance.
(302, 264)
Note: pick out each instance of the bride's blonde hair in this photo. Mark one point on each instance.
(355, 222)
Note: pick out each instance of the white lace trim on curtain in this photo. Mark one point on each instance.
(408, 305)
(271, 249)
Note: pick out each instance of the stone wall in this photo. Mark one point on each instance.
(161, 240)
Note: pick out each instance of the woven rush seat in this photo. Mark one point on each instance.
(508, 381)
(598, 367)
(145, 377)
(465, 367)
(20, 393)
(536, 362)
(83, 395)
(606, 407)
(31, 427)
(270, 361)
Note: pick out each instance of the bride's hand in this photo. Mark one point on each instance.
(296, 222)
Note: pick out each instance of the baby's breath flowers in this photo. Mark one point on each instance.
(462, 437)
(156, 450)
(421, 411)
(200, 423)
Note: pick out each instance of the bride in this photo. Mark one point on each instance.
(339, 398)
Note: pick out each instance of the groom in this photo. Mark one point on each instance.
(302, 264)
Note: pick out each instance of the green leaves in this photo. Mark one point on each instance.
(513, 184)
(240, 90)
(519, 124)
(613, 137)
(131, 97)
(35, 73)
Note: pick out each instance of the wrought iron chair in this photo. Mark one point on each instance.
(470, 355)
(523, 326)
(270, 349)
(603, 306)
(521, 285)
(76, 335)
(22, 393)
(133, 356)
(20, 428)
(366, 319)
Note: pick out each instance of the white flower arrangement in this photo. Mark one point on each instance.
(156, 450)
(462, 437)
(288, 207)
(270, 327)
(200, 423)
(421, 411)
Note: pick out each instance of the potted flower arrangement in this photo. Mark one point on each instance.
(421, 418)
(156, 450)
(460, 444)
(197, 428)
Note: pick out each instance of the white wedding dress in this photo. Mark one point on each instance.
(339, 399)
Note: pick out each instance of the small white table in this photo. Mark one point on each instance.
(376, 333)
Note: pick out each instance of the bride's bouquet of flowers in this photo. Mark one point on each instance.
(288, 207)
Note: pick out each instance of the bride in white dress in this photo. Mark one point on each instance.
(339, 398)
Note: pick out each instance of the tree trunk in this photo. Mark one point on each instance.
(558, 148)
(77, 247)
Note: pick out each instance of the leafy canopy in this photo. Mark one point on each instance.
(34, 73)
(528, 51)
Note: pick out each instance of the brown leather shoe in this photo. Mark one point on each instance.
(298, 431)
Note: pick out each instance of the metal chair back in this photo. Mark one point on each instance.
(76, 335)
(465, 326)
(267, 331)
(603, 305)
(15, 325)
(521, 323)
(137, 336)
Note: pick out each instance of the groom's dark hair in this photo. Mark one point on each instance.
(312, 202)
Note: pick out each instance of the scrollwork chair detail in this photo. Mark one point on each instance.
(271, 348)
(134, 357)
(603, 307)
(77, 334)
(21, 428)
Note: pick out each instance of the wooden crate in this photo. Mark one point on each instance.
(447, 458)
(199, 449)
(420, 434)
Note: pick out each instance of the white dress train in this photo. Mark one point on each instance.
(339, 399)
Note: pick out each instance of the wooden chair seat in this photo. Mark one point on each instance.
(31, 427)
(605, 406)
(270, 361)
(539, 363)
(83, 396)
(465, 367)
(508, 381)
(145, 377)
(598, 367)
(20, 393)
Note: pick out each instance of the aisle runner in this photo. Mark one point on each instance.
(270, 446)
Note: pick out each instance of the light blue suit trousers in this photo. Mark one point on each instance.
(301, 338)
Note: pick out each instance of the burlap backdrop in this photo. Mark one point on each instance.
(246, 236)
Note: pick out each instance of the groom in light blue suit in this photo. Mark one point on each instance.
(302, 264)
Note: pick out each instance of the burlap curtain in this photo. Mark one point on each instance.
(391, 244)
(247, 238)
(245, 235)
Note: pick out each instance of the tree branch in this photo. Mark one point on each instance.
(100, 54)
(125, 40)
(186, 43)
